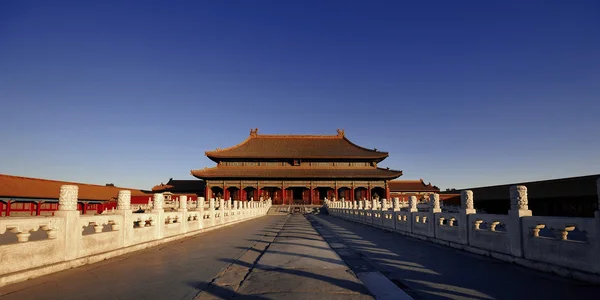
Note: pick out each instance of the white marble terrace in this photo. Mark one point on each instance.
(563, 245)
(73, 240)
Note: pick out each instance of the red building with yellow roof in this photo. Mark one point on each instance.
(301, 169)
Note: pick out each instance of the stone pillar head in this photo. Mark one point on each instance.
(360, 204)
(384, 205)
(396, 204)
(124, 200)
(434, 201)
(67, 200)
(211, 204)
(221, 204)
(183, 202)
(518, 197)
(158, 199)
(598, 192)
(412, 203)
(466, 199)
(373, 204)
(355, 204)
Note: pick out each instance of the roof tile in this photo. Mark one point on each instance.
(36, 188)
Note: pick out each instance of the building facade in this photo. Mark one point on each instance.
(296, 169)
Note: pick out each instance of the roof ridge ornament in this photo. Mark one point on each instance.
(254, 132)
(340, 132)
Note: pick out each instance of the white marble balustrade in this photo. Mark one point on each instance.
(73, 240)
(566, 246)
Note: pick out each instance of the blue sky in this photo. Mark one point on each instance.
(461, 93)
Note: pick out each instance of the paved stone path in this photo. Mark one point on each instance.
(429, 271)
(292, 261)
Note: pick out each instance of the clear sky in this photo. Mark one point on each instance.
(460, 93)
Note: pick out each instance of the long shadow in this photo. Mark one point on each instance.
(300, 238)
(293, 244)
(342, 283)
(454, 272)
(221, 292)
(328, 260)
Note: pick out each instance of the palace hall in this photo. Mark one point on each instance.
(297, 169)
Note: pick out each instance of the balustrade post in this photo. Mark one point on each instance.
(221, 211)
(71, 233)
(200, 209)
(159, 200)
(519, 208)
(597, 219)
(396, 204)
(124, 210)
(211, 209)
(412, 208)
(434, 208)
(184, 214)
(467, 208)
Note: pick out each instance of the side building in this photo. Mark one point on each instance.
(176, 188)
(297, 169)
(26, 196)
(569, 197)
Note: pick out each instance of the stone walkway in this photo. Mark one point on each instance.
(429, 271)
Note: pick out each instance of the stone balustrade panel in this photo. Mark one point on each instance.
(446, 226)
(568, 242)
(99, 233)
(369, 216)
(388, 219)
(403, 221)
(173, 223)
(421, 224)
(144, 227)
(490, 232)
(25, 253)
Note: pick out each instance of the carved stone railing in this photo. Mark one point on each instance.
(565, 246)
(71, 240)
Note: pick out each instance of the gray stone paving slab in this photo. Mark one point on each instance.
(298, 264)
(433, 271)
(176, 270)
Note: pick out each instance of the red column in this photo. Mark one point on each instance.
(1, 208)
(256, 194)
(352, 194)
(8, 208)
(387, 193)
(207, 193)
(83, 208)
(282, 194)
(38, 208)
(30, 208)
